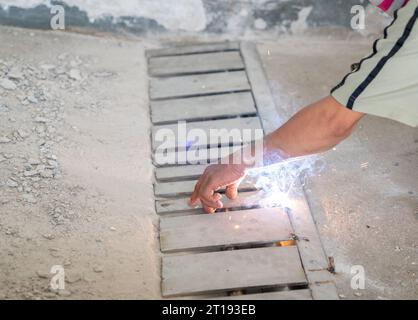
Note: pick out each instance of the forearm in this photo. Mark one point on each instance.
(315, 129)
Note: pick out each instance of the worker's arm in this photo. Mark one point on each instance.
(316, 128)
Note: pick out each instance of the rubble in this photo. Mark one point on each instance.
(98, 269)
(75, 74)
(4, 140)
(15, 74)
(7, 84)
(12, 184)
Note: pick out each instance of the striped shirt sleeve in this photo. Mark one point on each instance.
(389, 6)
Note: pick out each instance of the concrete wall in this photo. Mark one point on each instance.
(213, 16)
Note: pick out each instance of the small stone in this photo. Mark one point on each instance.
(72, 278)
(42, 275)
(342, 296)
(75, 74)
(112, 229)
(52, 163)
(4, 140)
(15, 74)
(64, 293)
(60, 70)
(397, 249)
(48, 236)
(30, 173)
(27, 296)
(98, 269)
(29, 198)
(103, 74)
(47, 67)
(7, 84)
(41, 120)
(32, 99)
(54, 253)
(50, 295)
(357, 294)
(12, 184)
(33, 162)
(67, 263)
(22, 133)
(47, 174)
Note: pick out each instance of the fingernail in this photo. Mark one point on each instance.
(192, 205)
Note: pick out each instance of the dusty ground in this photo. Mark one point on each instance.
(76, 177)
(365, 199)
(75, 171)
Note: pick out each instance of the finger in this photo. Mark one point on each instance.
(209, 209)
(195, 196)
(209, 195)
(232, 191)
(209, 206)
(216, 204)
(211, 199)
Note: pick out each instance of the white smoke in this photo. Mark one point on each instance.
(278, 181)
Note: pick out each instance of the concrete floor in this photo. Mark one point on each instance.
(75, 168)
(365, 198)
(89, 205)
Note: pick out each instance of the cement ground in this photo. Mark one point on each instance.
(76, 176)
(365, 198)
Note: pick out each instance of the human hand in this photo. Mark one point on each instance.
(216, 177)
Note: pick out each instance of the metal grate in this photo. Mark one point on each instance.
(246, 251)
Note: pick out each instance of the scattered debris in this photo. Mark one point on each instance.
(30, 173)
(72, 278)
(48, 236)
(7, 84)
(103, 74)
(12, 184)
(43, 275)
(29, 198)
(75, 74)
(331, 265)
(67, 263)
(64, 293)
(5, 140)
(23, 134)
(41, 120)
(98, 269)
(15, 74)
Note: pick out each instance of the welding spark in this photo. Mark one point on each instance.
(278, 181)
